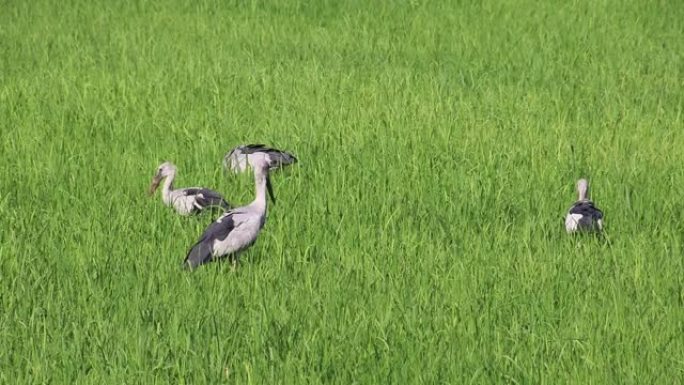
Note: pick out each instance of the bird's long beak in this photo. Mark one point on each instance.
(270, 189)
(155, 183)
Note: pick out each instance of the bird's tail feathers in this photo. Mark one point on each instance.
(198, 255)
(289, 158)
(280, 159)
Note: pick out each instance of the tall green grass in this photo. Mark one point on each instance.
(419, 239)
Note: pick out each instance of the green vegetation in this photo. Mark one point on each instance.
(419, 239)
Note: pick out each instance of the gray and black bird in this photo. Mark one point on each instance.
(240, 158)
(237, 229)
(188, 200)
(583, 216)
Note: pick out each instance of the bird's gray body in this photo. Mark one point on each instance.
(192, 200)
(240, 158)
(231, 233)
(188, 200)
(583, 216)
(235, 230)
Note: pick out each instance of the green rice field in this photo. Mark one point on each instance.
(418, 240)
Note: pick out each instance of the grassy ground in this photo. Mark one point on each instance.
(420, 238)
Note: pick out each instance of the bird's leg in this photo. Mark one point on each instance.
(234, 263)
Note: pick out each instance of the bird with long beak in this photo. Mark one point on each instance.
(583, 216)
(185, 201)
(237, 229)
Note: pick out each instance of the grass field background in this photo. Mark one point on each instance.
(419, 239)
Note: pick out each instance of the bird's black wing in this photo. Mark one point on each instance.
(245, 149)
(206, 198)
(590, 214)
(284, 158)
(586, 209)
(252, 148)
(202, 251)
(277, 157)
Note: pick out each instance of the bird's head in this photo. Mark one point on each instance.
(164, 170)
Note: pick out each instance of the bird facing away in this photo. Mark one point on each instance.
(241, 157)
(186, 201)
(237, 229)
(583, 216)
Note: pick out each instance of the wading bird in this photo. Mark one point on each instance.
(185, 200)
(241, 157)
(583, 215)
(237, 229)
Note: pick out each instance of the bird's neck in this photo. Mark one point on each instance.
(582, 194)
(260, 199)
(167, 188)
(582, 190)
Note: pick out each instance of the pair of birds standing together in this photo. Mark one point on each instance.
(236, 229)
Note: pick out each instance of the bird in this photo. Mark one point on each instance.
(185, 201)
(237, 229)
(241, 157)
(583, 216)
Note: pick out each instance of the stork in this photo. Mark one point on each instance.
(186, 201)
(241, 157)
(583, 215)
(237, 229)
